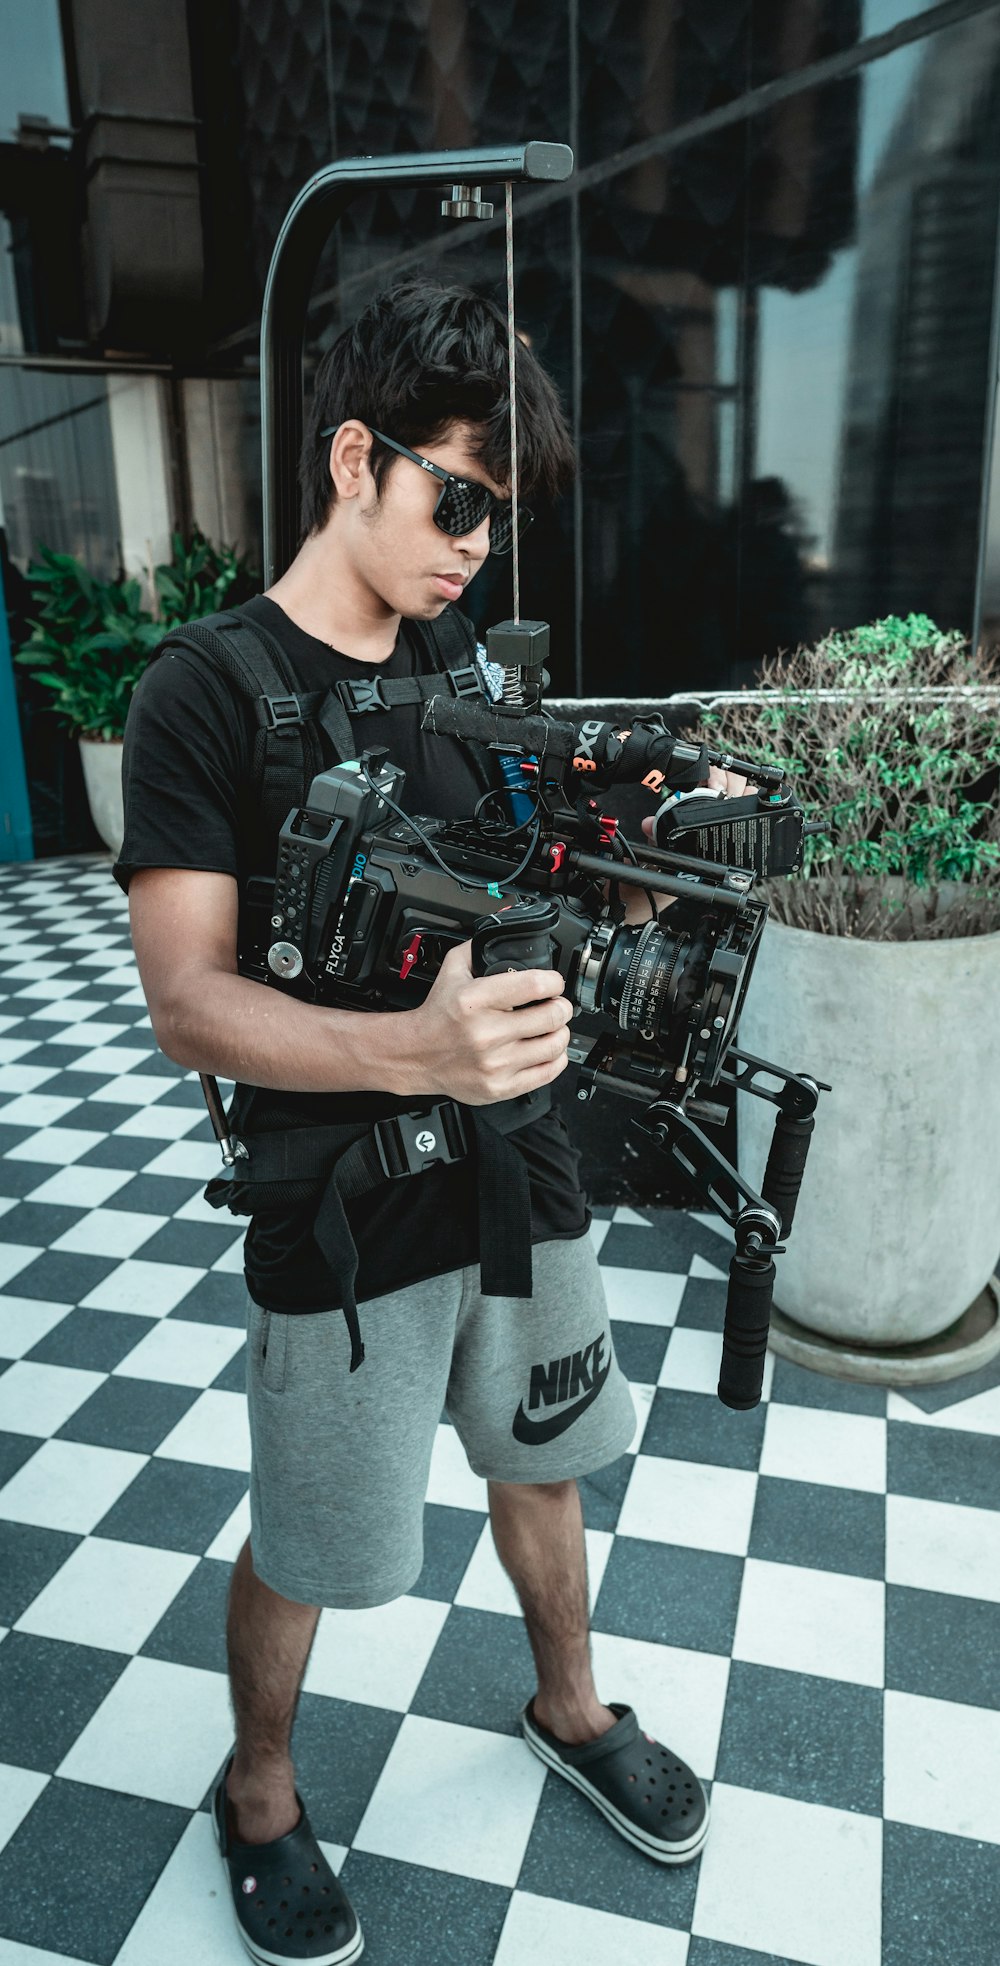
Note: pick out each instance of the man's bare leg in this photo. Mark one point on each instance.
(268, 1640)
(538, 1531)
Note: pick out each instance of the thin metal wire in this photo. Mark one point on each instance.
(511, 343)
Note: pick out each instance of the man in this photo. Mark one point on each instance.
(340, 1458)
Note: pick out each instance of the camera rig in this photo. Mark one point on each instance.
(368, 898)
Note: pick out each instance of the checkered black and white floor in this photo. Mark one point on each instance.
(805, 1600)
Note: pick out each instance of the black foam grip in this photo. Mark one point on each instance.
(786, 1165)
(744, 1339)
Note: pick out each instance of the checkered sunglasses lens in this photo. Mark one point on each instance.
(463, 506)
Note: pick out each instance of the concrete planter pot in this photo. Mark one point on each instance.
(898, 1224)
(102, 775)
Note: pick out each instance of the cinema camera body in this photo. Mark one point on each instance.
(368, 900)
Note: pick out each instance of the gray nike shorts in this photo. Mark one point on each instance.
(340, 1461)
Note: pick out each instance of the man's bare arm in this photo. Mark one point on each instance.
(461, 1043)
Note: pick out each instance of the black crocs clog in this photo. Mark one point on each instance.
(649, 1795)
(287, 1902)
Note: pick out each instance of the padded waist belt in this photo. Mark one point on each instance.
(340, 1163)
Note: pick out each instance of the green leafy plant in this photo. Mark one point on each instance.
(91, 639)
(891, 733)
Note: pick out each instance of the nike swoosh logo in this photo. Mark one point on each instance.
(533, 1432)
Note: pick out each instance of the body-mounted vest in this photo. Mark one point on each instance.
(297, 734)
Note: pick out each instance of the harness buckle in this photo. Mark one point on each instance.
(359, 697)
(465, 682)
(409, 1142)
(280, 712)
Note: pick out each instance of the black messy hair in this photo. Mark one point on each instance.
(420, 358)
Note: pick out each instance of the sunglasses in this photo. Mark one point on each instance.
(462, 505)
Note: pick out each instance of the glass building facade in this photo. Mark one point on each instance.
(769, 295)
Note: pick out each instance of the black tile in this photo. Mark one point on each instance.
(794, 1734)
(156, 1194)
(711, 1952)
(192, 1632)
(233, 1377)
(450, 1536)
(73, 1084)
(574, 1854)
(134, 1414)
(671, 1595)
(942, 1899)
(51, 1057)
(38, 1223)
(48, 1692)
(15, 1449)
(797, 1386)
(703, 1305)
(186, 1092)
(218, 1298)
(19, 1177)
(697, 1427)
(818, 1527)
(29, 1557)
(107, 1115)
(95, 1340)
(942, 1646)
(340, 1749)
(14, 1136)
(942, 1465)
(174, 1505)
(410, 1903)
(58, 1277)
(937, 1399)
(156, 1066)
(480, 1673)
(640, 1350)
(124, 1150)
(77, 1872)
(198, 1243)
(668, 1244)
(603, 1493)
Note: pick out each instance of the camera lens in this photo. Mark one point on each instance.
(635, 984)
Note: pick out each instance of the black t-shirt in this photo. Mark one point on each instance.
(189, 802)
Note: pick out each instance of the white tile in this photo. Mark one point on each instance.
(179, 1353)
(564, 1934)
(213, 1432)
(194, 1160)
(13, 1049)
(161, 1732)
(68, 1484)
(162, 1123)
(451, 1478)
(80, 1037)
(147, 1289)
(80, 1187)
(978, 1415)
(188, 1914)
(110, 1232)
(231, 1260)
(38, 1399)
(631, 1218)
(108, 1594)
(839, 1450)
(141, 1089)
(25, 1321)
(230, 1539)
(37, 1109)
(114, 1058)
(66, 1013)
(14, 1257)
(693, 1361)
(197, 1209)
(24, 1078)
(938, 1546)
(57, 1144)
(691, 1503)
(791, 1878)
(812, 1621)
(31, 970)
(700, 1268)
(459, 1799)
(137, 995)
(598, 1231)
(53, 990)
(20, 1789)
(941, 1762)
(679, 1695)
(95, 938)
(642, 1296)
(642, 1401)
(376, 1657)
(487, 1587)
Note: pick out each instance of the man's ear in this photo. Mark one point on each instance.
(349, 450)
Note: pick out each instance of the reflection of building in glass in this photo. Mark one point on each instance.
(912, 446)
